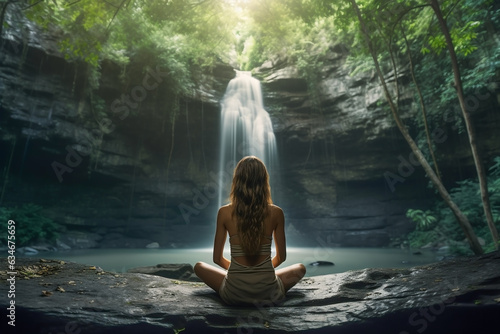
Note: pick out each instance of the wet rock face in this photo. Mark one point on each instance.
(334, 152)
(447, 297)
(347, 173)
(96, 169)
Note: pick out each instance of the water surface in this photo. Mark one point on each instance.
(119, 260)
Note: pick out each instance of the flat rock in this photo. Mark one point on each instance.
(453, 296)
(182, 271)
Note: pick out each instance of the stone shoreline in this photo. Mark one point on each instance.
(455, 296)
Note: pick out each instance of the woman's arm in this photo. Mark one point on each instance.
(279, 237)
(219, 241)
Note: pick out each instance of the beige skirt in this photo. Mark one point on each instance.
(247, 285)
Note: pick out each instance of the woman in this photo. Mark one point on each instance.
(251, 220)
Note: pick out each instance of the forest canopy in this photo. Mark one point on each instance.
(189, 35)
(181, 36)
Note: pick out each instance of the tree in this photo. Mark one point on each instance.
(3, 11)
(183, 36)
(461, 218)
(385, 17)
(422, 103)
(483, 185)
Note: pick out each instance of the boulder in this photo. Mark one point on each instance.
(453, 296)
(183, 271)
(321, 263)
(78, 240)
(27, 250)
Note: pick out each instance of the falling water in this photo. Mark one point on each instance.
(246, 129)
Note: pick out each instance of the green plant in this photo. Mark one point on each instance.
(438, 224)
(423, 219)
(418, 239)
(187, 39)
(30, 224)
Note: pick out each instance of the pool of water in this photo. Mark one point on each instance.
(119, 260)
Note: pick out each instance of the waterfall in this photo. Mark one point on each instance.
(246, 129)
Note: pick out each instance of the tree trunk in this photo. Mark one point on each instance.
(461, 218)
(2, 16)
(483, 183)
(422, 105)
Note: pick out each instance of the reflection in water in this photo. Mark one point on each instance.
(119, 260)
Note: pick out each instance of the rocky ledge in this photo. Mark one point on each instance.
(454, 296)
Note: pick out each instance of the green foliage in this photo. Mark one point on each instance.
(494, 188)
(440, 225)
(273, 30)
(299, 32)
(398, 29)
(470, 24)
(423, 219)
(420, 239)
(31, 225)
(304, 30)
(82, 26)
(185, 36)
(98, 107)
(181, 36)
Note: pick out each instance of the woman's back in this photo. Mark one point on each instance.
(270, 223)
(250, 276)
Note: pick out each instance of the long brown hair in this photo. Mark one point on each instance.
(250, 197)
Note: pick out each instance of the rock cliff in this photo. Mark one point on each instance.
(130, 173)
(337, 148)
(115, 177)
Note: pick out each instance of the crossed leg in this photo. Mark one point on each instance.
(291, 275)
(211, 275)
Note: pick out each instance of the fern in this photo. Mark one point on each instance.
(423, 219)
(31, 225)
(439, 224)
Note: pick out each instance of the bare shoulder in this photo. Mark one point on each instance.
(276, 212)
(225, 212)
(275, 209)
